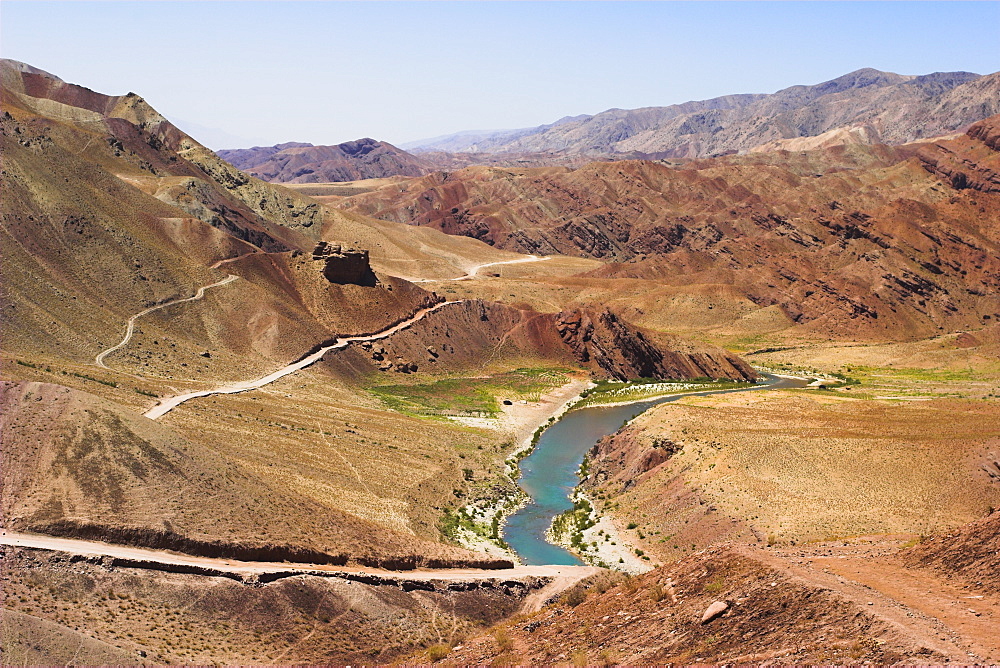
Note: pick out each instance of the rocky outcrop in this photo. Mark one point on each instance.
(969, 162)
(344, 266)
(619, 459)
(624, 352)
(470, 331)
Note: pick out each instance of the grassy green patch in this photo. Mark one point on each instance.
(454, 522)
(479, 397)
(573, 523)
(914, 374)
(611, 392)
(109, 383)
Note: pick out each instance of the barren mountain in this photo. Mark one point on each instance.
(112, 216)
(198, 360)
(887, 107)
(304, 163)
(848, 238)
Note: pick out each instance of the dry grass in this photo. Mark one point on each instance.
(801, 467)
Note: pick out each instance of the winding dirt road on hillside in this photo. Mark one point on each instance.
(923, 605)
(563, 576)
(474, 270)
(169, 403)
(130, 326)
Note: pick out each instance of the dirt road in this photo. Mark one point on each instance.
(130, 325)
(923, 605)
(564, 575)
(169, 403)
(474, 270)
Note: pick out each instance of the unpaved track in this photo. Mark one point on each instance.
(168, 404)
(565, 575)
(474, 270)
(923, 605)
(130, 326)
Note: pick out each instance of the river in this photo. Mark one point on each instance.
(549, 473)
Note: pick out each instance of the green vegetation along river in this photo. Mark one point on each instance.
(549, 473)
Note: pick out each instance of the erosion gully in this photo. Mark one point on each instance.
(549, 473)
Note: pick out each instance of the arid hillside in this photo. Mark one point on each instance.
(198, 360)
(61, 609)
(138, 265)
(878, 240)
(881, 106)
(796, 467)
(730, 605)
(77, 465)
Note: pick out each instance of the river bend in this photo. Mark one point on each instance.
(549, 473)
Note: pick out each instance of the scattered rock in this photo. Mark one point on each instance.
(713, 611)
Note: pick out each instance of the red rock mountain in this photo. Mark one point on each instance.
(895, 240)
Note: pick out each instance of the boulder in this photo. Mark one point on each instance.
(713, 611)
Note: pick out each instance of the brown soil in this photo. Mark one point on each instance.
(970, 553)
(779, 612)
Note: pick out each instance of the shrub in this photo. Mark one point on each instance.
(503, 640)
(656, 593)
(575, 597)
(437, 652)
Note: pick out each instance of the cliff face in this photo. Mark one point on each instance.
(463, 333)
(624, 352)
(344, 266)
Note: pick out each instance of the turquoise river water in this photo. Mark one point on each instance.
(549, 473)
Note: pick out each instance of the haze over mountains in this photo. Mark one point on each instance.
(893, 108)
(863, 107)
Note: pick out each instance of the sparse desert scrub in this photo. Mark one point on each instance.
(788, 467)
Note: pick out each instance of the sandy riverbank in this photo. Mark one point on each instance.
(605, 540)
(523, 420)
(520, 421)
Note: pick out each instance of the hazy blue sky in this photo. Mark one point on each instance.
(327, 72)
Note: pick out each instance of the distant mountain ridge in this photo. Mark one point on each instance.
(892, 108)
(297, 162)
